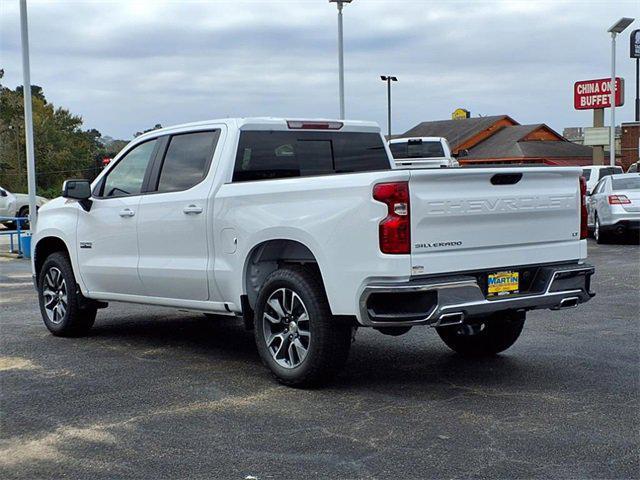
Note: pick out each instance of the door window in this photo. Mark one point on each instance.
(187, 160)
(127, 176)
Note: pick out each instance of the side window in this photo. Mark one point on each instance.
(187, 160)
(127, 176)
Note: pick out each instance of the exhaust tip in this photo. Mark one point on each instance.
(570, 302)
(448, 319)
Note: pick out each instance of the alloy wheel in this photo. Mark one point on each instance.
(55, 295)
(285, 324)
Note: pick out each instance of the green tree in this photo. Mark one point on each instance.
(62, 148)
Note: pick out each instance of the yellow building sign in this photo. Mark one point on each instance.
(460, 114)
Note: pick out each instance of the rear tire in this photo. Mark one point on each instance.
(64, 311)
(600, 237)
(24, 212)
(297, 337)
(490, 336)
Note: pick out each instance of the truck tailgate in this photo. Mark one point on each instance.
(478, 218)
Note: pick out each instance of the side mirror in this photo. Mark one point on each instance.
(78, 190)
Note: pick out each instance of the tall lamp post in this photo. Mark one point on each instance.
(614, 30)
(635, 53)
(28, 115)
(339, 4)
(388, 79)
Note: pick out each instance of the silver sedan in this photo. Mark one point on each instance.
(614, 206)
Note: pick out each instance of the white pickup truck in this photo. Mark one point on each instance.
(422, 152)
(305, 230)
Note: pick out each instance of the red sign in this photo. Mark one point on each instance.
(591, 94)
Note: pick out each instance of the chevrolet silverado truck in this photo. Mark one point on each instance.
(305, 230)
(422, 152)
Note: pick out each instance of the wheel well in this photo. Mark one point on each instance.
(269, 256)
(46, 247)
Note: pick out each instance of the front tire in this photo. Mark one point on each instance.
(64, 311)
(297, 337)
(488, 337)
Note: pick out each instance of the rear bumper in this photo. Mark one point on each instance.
(447, 300)
(622, 226)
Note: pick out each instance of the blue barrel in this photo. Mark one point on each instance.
(25, 245)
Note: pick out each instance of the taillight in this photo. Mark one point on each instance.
(583, 208)
(619, 200)
(395, 228)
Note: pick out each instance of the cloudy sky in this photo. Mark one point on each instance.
(127, 65)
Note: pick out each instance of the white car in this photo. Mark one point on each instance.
(422, 152)
(594, 173)
(16, 204)
(305, 230)
(614, 206)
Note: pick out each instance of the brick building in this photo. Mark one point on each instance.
(630, 144)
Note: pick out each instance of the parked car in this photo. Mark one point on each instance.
(594, 173)
(422, 152)
(16, 205)
(614, 206)
(306, 231)
(633, 168)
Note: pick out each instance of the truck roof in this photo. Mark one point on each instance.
(271, 123)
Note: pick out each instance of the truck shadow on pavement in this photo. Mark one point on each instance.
(376, 361)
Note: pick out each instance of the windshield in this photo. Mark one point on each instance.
(631, 183)
(416, 149)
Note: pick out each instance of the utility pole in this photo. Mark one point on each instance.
(28, 114)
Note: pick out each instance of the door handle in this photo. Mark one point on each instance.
(127, 212)
(192, 209)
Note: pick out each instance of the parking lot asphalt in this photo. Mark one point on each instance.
(154, 394)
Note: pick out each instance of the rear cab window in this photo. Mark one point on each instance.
(604, 172)
(269, 155)
(630, 183)
(416, 149)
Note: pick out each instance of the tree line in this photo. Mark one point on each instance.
(63, 149)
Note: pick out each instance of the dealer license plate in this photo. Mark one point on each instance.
(503, 283)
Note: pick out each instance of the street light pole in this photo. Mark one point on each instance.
(388, 79)
(615, 29)
(612, 102)
(28, 114)
(339, 4)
